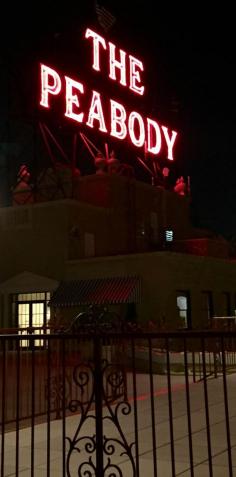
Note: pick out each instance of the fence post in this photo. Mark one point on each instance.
(215, 364)
(216, 358)
(58, 379)
(98, 393)
(194, 368)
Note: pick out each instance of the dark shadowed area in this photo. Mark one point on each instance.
(189, 61)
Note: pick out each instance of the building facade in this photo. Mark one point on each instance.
(113, 241)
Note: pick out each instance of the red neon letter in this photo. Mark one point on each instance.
(46, 87)
(153, 146)
(97, 40)
(96, 112)
(117, 64)
(73, 99)
(169, 141)
(140, 141)
(134, 64)
(118, 126)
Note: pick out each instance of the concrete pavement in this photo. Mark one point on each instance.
(145, 425)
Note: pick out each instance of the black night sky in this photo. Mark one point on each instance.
(190, 66)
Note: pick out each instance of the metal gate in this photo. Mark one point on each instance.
(117, 404)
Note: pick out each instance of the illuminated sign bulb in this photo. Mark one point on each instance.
(169, 235)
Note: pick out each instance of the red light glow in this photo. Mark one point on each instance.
(118, 118)
(116, 122)
(135, 75)
(169, 141)
(72, 99)
(97, 41)
(96, 112)
(153, 128)
(117, 64)
(50, 84)
(135, 65)
(136, 118)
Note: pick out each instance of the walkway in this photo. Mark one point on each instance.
(145, 435)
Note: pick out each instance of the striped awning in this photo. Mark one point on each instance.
(97, 291)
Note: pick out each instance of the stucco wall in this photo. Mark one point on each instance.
(162, 274)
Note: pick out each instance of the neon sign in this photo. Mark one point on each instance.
(124, 69)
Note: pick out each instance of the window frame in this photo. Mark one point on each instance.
(21, 299)
(227, 302)
(210, 304)
(188, 319)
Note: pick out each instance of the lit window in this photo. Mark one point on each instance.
(23, 320)
(31, 312)
(169, 235)
(183, 306)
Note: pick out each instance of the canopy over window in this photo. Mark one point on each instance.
(97, 291)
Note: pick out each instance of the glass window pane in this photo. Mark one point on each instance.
(23, 315)
(182, 302)
(38, 320)
(31, 315)
(23, 321)
(36, 296)
(48, 314)
(37, 314)
(24, 343)
(183, 308)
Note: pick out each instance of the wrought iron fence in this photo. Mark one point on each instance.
(118, 404)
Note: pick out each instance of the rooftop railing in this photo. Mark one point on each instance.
(104, 400)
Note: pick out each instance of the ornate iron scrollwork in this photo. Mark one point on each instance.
(89, 453)
(115, 376)
(56, 392)
(85, 446)
(82, 375)
(96, 319)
